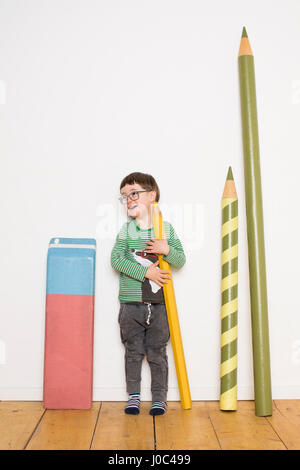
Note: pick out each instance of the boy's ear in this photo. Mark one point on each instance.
(153, 196)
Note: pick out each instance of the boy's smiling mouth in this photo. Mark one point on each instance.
(132, 207)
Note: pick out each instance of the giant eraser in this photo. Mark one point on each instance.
(69, 329)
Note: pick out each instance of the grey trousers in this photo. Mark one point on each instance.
(145, 332)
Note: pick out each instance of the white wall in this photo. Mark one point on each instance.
(93, 90)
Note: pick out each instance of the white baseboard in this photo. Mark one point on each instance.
(119, 394)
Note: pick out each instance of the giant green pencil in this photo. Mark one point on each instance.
(255, 231)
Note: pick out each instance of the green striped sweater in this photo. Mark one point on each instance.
(129, 258)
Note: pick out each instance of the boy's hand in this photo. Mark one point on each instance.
(160, 247)
(157, 275)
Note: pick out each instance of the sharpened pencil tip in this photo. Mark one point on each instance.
(244, 33)
(245, 48)
(229, 188)
(229, 174)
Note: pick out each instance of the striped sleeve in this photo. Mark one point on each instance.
(121, 263)
(176, 256)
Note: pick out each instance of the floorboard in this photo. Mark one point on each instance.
(17, 423)
(286, 422)
(185, 429)
(65, 429)
(242, 430)
(119, 431)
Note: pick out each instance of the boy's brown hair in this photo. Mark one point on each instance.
(146, 181)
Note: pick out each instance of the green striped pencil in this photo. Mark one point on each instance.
(229, 288)
(255, 231)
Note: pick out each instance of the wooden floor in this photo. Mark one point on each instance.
(27, 425)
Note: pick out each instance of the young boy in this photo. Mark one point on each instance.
(143, 317)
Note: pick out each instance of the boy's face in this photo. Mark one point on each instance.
(140, 206)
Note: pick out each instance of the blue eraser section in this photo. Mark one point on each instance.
(71, 271)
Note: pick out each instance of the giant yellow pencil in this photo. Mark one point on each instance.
(172, 314)
(229, 288)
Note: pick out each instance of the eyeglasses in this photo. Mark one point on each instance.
(132, 196)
